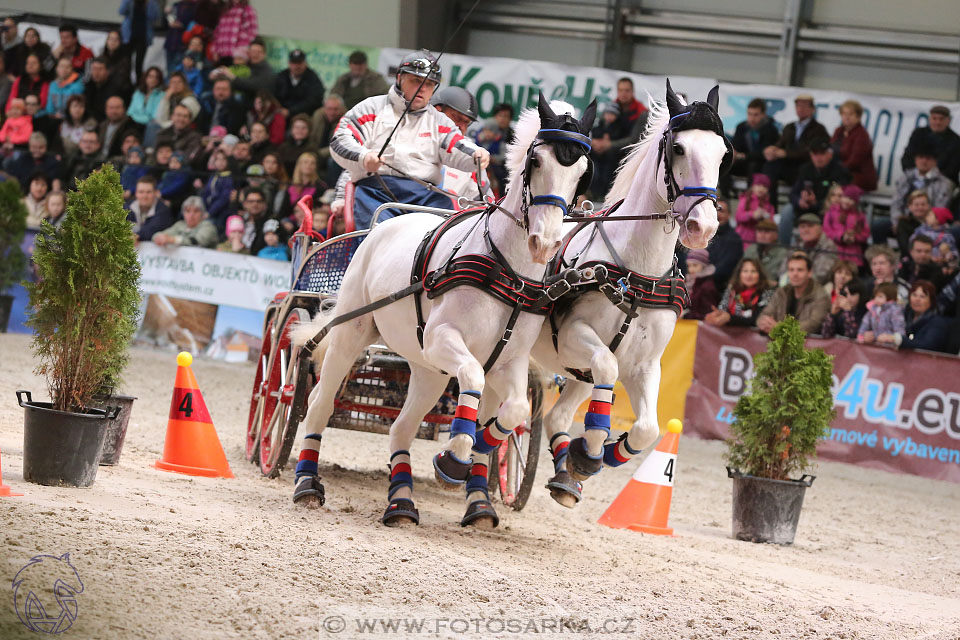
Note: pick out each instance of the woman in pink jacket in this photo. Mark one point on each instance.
(754, 206)
(846, 225)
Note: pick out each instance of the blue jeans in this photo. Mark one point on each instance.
(370, 194)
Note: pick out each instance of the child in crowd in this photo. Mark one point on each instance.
(193, 71)
(174, 185)
(56, 208)
(234, 242)
(936, 226)
(846, 313)
(847, 226)
(133, 170)
(35, 199)
(161, 159)
(218, 190)
(754, 206)
(274, 250)
(17, 128)
(833, 197)
(704, 296)
(883, 322)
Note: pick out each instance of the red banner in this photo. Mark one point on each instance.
(896, 410)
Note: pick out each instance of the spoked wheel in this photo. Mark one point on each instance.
(513, 465)
(280, 416)
(256, 396)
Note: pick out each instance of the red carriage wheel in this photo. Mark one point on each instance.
(253, 420)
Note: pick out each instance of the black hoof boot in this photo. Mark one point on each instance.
(580, 464)
(309, 492)
(399, 512)
(480, 514)
(450, 472)
(565, 490)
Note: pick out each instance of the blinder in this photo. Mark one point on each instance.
(549, 136)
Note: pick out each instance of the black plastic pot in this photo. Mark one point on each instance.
(766, 510)
(62, 448)
(116, 429)
(6, 306)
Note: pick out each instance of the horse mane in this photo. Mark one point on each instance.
(627, 171)
(528, 125)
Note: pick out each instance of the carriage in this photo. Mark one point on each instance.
(373, 393)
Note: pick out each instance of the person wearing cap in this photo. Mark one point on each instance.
(926, 176)
(425, 141)
(194, 230)
(846, 225)
(767, 250)
(801, 297)
(784, 159)
(459, 105)
(704, 295)
(938, 138)
(360, 83)
(751, 137)
(812, 186)
(234, 241)
(236, 27)
(274, 249)
(815, 243)
(298, 87)
(853, 147)
(610, 127)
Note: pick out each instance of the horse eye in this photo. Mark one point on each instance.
(677, 150)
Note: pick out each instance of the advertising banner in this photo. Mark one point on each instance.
(896, 411)
(327, 59)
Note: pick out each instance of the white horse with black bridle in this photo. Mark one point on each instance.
(619, 327)
(408, 278)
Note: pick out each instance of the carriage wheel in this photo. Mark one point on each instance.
(278, 420)
(513, 465)
(253, 420)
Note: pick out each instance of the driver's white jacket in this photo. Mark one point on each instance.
(425, 140)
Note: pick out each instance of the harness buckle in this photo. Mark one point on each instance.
(614, 294)
(507, 333)
(559, 284)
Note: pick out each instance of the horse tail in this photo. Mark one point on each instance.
(302, 332)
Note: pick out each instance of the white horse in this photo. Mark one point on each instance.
(463, 325)
(694, 146)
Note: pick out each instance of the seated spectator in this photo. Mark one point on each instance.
(147, 97)
(22, 165)
(918, 264)
(221, 109)
(883, 321)
(924, 176)
(234, 241)
(883, 265)
(71, 49)
(633, 119)
(253, 212)
(277, 181)
(146, 211)
(74, 123)
(130, 141)
(324, 122)
(32, 45)
(194, 230)
(846, 225)
(726, 248)
(751, 137)
(193, 72)
(6, 83)
(299, 88)
(55, 208)
(49, 127)
(16, 128)
(261, 75)
(240, 158)
(297, 143)
(815, 243)
(754, 206)
(101, 87)
(10, 39)
(181, 135)
(35, 200)
(86, 162)
(236, 28)
(116, 126)
(605, 162)
(117, 56)
(267, 111)
(31, 83)
(748, 294)
(936, 138)
(134, 168)
(767, 251)
(925, 327)
(494, 136)
(853, 147)
(273, 249)
(259, 142)
(842, 273)
(67, 83)
(306, 181)
(174, 183)
(918, 206)
(217, 191)
(360, 83)
(177, 93)
(846, 312)
(704, 296)
(936, 226)
(814, 180)
(139, 16)
(801, 298)
(784, 159)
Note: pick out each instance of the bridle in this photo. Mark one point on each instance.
(699, 193)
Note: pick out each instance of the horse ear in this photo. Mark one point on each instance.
(589, 117)
(546, 113)
(674, 104)
(713, 98)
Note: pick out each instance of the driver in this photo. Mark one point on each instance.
(459, 105)
(425, 140)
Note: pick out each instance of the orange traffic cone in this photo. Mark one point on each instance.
(5, 490)
(644, 504)
(192, 445)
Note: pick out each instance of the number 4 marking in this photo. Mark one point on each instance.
(669, 470)
(186, 405)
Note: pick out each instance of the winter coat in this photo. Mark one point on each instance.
(752, 145)
(929, 331)
(946, 145)
(810, 308)
(203, 235)
(143, 107)
(882, 318)
(837, 222)
(262, 78)
(58, 94)
(236, 29)
(147, 223)
(304, 97)
(24, 86)
(820, 181)
(798, 151)
(845, 324)
(703, 298)
(939, 188)
(746, 223)
(273, 253)
(131, 174)
(216, 195)
(17, 130)
(855, 151)
(725, 250)
(174, 183)
(369, 85)
(940, 235)
(744, 311)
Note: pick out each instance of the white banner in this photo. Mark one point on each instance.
(215, 277)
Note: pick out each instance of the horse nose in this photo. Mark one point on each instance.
(540, 251)
(693, 227)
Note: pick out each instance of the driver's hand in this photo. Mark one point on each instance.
(371, 163)
(483, 156)
(336, 207)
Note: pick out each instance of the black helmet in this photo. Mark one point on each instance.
(458, 99)
(422, 64)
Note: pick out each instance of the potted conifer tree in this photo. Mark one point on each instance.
(84, 313)
(777, 423)
(13, 224)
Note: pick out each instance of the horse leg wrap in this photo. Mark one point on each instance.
(619, 452)
(562, 483)
(309, 454)
(401, 478)
(450, 470)
(598, 413)
(490, 437)
(580, 464)
(559, 444)
(478, 497)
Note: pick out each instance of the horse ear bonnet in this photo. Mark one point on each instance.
(567, 152)
(703, 115)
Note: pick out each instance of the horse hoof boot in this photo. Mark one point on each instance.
(480, 515)
(580, 464)
(400, 512)
(451, 473)
(565, 490)
(309, 492)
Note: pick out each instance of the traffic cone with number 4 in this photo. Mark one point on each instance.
(644, 504)
(192, 446)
